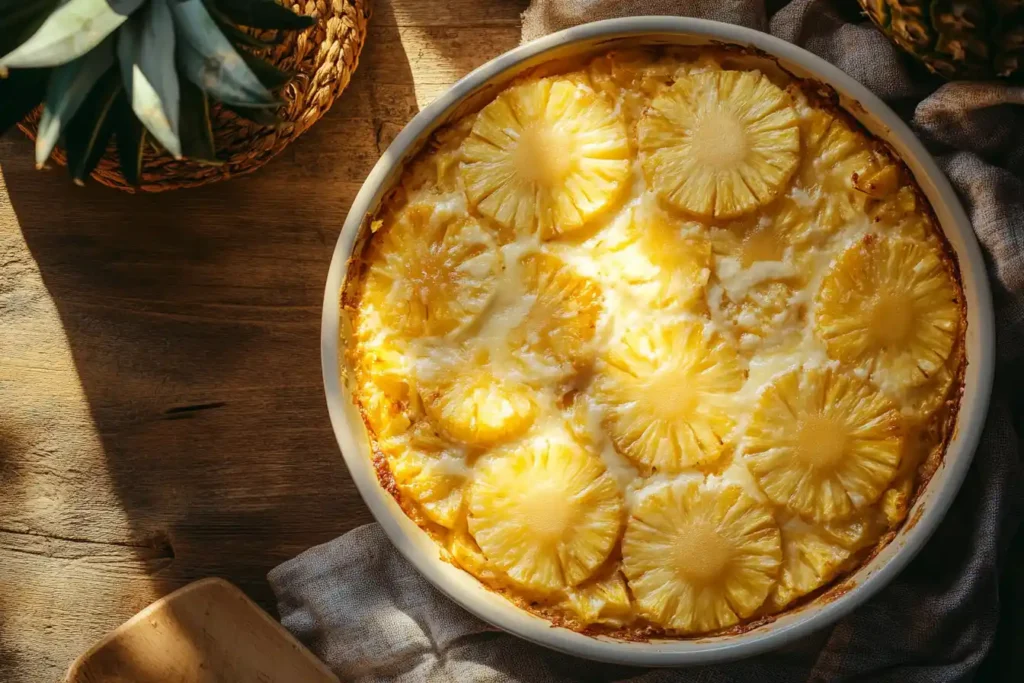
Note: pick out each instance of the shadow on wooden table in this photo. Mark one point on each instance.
(12, 479)
(193, 320)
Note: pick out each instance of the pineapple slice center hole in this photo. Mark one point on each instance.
(892, 319)
(547, 511)
(822, 441)
(542, 156)
(719, 141)
(702, 555)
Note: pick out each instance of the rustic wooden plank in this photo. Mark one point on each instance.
(57, 596)
(161, 409)
(186, 309)
(472, 13)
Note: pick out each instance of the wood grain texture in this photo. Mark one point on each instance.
(206, 632)
(161, 410)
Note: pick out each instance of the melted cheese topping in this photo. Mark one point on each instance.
(571, 332)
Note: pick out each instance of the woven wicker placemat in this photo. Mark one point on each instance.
(322, 57)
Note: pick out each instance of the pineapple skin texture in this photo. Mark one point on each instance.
(963, 40)
(572, 368)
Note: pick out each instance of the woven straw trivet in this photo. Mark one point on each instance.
(323, 58)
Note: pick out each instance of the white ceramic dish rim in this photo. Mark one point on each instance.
(930, 506)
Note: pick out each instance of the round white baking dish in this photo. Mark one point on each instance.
(930, 506)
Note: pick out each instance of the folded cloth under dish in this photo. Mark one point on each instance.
(366, 612)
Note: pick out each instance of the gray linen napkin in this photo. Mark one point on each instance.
(371, 617)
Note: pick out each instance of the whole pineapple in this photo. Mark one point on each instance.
(134, 70)
(958, 39)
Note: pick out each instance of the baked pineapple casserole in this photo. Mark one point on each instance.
(656, 344)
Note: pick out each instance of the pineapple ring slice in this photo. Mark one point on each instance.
(890, 307)
(547, 514)
(547, 156)
(561, 322)
(431, 272)
(429, 470)
(468, 399)
(667, 394)
(671, 258)
(823, 443)
(813, 555)
(719, 144)
(698, 558)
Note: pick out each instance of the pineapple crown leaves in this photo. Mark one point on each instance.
(137, 70)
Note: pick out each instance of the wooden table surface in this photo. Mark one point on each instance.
(162, 416)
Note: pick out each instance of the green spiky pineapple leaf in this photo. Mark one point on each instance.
(130, 135)
(958, 40)
(238, 36)
(174, 59)
(146, 49)
(264, 14)
(67, 88)
(69, 32)
(269, 75)
(210, 61)
(19, 19)
(196, 128)
(263, 117)
(89, 131)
